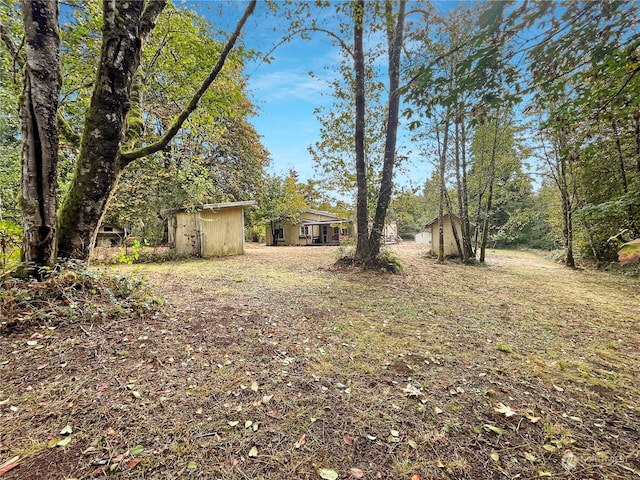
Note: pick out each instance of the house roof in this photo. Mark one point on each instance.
(320, 212)
(309, 221)
(210, 206)
(455, 217)
(332, 218)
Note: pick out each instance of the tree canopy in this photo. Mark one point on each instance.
(129, 86)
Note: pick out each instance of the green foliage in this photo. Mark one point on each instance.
(71, 292)
(347, 249)
(388, 261)
(129, 256)
(217, 157)
(281, 200)
(412, 212)
(10, 245)
(334, 154)
(585, 84)
(578, 62)
(10, 89)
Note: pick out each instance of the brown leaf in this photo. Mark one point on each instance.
(347, 439)
(133, 462)
(120, 457)
(9, 464)
(303, 439)
(356, 473)
(415, 477)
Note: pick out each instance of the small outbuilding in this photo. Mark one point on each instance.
(389, 232)
(432, 230)
(424, 238)
(211, 230)
(110, 235)
(314, 227)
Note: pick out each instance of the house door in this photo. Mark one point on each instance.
(325, 233)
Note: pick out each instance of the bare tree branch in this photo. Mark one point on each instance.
(129, 157)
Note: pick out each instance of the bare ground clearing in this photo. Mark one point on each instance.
(274, 365)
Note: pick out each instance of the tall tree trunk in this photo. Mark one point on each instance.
(482, 190)
(492, 169)
(560, 167)
(636, 131)
(567, 230)
(126, 26)
(485, 222)
(38, 110)
(395, 35)
(464, 217)
(623, 173)
(442, 167)
(362, 215)
(98, 166)
(464, 242)
(462, 252)
(567, 211)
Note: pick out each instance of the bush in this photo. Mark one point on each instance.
(70, 293)
(386, 261)
(10, 245)
(389, 261)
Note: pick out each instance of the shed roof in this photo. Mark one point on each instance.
(210, 206)
(218, 206)
(455, 217)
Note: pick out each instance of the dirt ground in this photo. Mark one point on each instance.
(277, 365)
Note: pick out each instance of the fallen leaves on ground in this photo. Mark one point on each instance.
(265, 377)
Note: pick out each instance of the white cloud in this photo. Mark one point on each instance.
(287, 85)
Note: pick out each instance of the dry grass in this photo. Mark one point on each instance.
(328, 369)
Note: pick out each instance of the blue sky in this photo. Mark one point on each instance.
(286, 96)
(284, 92)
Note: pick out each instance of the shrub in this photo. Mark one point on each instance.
(71, 292)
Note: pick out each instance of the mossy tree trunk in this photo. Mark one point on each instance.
(99, 162)
(126, 25)
(38, 109)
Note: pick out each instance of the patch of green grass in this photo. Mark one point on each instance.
(342, 357)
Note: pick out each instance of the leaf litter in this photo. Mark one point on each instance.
(414, 356)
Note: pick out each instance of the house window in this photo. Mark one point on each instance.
(304, 231)
(344, 231)
(279, 234)
(108, 229)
